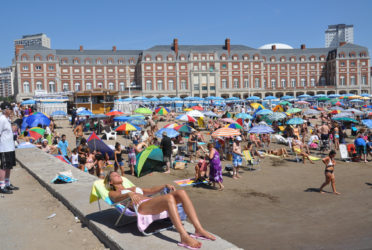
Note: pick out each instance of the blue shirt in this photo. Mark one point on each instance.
(359, 142)
(63, 147)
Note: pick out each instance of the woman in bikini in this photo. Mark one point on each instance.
(336, 137)
(330, 163)
(159, 205)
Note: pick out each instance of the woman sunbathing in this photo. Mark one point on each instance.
(279, 152)
(165, 203)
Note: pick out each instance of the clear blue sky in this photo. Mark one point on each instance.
(142, 24)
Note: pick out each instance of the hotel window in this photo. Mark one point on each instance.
(282, 68)
(255, 57)
(110, 70)
(50, 58)
(99, 85)
(183, 84)
(99, 62)
(121, 61)
(293, 67)
(322, 59)
(223, 58)
(203, 58)
(121, 70)
(111, 85)
(293, 82)
(273, 68)
(246, 83)
(149, 84)
(312, 82)
(76, 70)
(342, 81)
(160, 85)
(245, 66)
(283, 83)
(148, 67)
(224, 66)
(183, 67)
(182, 58)
(302, 59)
(170, 58)
(195, 67)
(322, 81)
(25, 67)
(245, 58)
(352, 64)
(77, 86)
(292, 59)
(264, 83)
(132, 62)
(52, 87)
(235, 66)
(273, 83)
(312, 59)
(303, 67)
(235, 58)
(364, 80)
(272, 59)
(109, 62)
(342, 64)
(39, 86)
(170, 67)
(282, 59)
(352, 80)
(87, 62)
(131, 70)
(312, 67)
(170, 85)
(122, 86)
(64, 61)
(75, 61)
(88, 70)
(159, 67)
(196, 86)
(236, 83)
(303, 82)
(24, 58)
(88, 86)
(37, 67)
(148, 58)
(224, 83)
(363, 63)
(257, 82)
(158, 58)
(256, 66)
(99, 70)
(203, 67)
(211, 58)
(65, 87)
(26, 87)
(195, 58)
(38, 59)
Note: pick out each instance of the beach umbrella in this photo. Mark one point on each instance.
(162, 111)
(367, 122)
(170, 132)
(311, 112)
(357, 101)
(296, 121)
(244, 116)
(144, 111)
(153, 99)
(197, 108)
(264, 112)
(337, 108)
(256, 105)
(228, 120)
(365, 98)
(270, 97)
(240, 121)
(122, 118)
(334, 96)
(195, 113)
(28, 102)
(323, 98)
(285, 103)
(223, 132)
(210, 113)
(344, 114)
(137, 122)
(337, 103)
(176, 99)
(184, 128)
(210, 98)
(129, 99)
(187, 109)
(137, 116)
(365, 95)
(114, 112)
(277, 116)
(261, 129)
(99, 116)
(345, 119)
(253, 98)
(165, 99)
(36, 132)
(354, 111)
(234, 126)
(171, 125)
(140, 98)
(188, 98)
(34, 121)
(303, 102)
(286, 97)
(59, 113)
(335, 112)
(304, 96)
(354, 97)
(85, 113)
(320, 95)
(186, 118)
(294, 110)
(126, 127)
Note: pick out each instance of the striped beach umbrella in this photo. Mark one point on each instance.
(186, 118)
(184, 128)
(114, 112)
(36, 132)
(126, 127)
(171, 125)
(234, 126)
(226, 132)
(162, 111)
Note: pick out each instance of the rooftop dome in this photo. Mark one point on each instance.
(278, 46)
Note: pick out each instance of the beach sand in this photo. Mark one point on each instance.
(278, 207)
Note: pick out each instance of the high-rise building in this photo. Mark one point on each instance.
(335, 34)
(6, 79)
(31, 40)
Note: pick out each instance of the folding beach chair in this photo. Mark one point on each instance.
(281, 140)
(99, 191)
(298, 151)
(250, 160)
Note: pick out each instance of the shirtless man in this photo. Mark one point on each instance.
(78, 132)
(237, 157)
(324, 132)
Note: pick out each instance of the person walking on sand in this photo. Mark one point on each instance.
(166, 146)
(215, 169)
(330, 163)
(237, 157)
(78, 132)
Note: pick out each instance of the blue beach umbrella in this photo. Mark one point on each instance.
(295, 121)
(264, 112)
(253, 98)
(59, 113)
(28, 102)
(261, 129)
(122, 118)
(286, 97)
(170, 132)
(304, 96)
(270, 97)
(244, 116)
(85, 113)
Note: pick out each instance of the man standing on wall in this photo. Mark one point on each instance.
(7, 150)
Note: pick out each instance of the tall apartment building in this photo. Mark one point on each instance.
(32, 40)
(195, 70)
(335, 34)
(6, 82)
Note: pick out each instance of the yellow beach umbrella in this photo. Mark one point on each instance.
(365, 98)
(256, 105)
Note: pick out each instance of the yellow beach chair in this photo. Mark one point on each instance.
(250, 160)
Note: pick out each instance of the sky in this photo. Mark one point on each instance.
(143, 24)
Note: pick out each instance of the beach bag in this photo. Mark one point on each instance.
(313, 145)
(179, 165)
(64, 177)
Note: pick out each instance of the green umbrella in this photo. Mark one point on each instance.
(276, 116)
(345, 119)
(144, 111)
(324, 98)
(285, 103)
(294, 110)
(153, 156)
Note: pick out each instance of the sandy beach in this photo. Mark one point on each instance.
(278, 206)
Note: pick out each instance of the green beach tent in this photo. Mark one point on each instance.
(149, 160)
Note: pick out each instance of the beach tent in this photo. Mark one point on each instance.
(149, 160)
(95, 143)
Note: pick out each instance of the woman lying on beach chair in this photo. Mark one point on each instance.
(278, 152)
(160, 205)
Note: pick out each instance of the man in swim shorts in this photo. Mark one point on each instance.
(237, 157)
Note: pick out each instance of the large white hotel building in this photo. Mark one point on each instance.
(194, 70)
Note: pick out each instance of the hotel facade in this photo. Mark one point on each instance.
(193, 70)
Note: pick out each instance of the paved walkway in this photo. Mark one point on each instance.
(75, 196)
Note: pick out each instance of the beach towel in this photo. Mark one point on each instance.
(343, 152)
(189, 182)
(313, 158)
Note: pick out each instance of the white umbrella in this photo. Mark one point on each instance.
(355, 111)
(195, 113)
